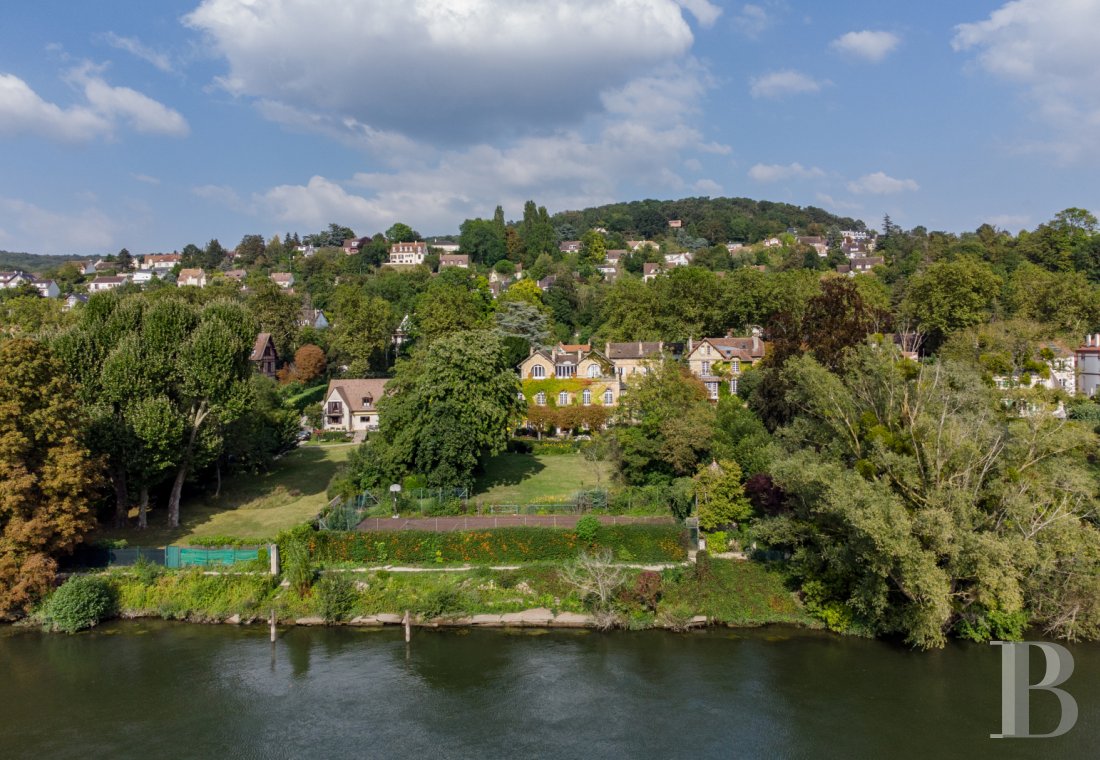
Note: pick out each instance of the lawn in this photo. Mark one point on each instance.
(250, 506)
(535, 478)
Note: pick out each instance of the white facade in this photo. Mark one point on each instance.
(1088, 366)
(408, 254)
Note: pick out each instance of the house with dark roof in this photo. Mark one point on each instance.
(352, 405)
(106, 282)
(718, 360)
(314, 318)
(460, 260)
(264, 356)
(638, 357)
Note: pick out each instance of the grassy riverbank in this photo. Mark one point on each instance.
(726, 592)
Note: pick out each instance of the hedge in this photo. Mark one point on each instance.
(629, 543)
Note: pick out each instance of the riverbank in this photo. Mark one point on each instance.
(718, 592)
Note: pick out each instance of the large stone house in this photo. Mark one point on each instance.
(408, 254)
(637, 357)
(568, 387)
(1088, 366)
(723, 360)
(191, 278)
(352, 405)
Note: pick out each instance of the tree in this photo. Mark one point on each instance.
(720, 496)
(593, 247)
(125, 260)
(251, 250)
(309, 363)
(451, 304)
(276, 311)
(47, 475)
(402, 233)
(454, 402)
(483, 240)
(950, 295)
(361, 331)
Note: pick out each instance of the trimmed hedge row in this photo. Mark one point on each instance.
(629, 543)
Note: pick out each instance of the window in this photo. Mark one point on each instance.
(733, 387)
(712, 391)
(593, 370)
(540, 398)
(586, 397)
(538, 371)
(608, 398)
(735, 365)
(706, 368)
(335, 407)
(520, 396)
(566, 370)
(706, 349)
(563, 398)
(365, 420)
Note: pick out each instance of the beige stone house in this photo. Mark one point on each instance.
(352, 405)
(636, 358)
(723, 360)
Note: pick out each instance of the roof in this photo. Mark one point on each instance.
(356, 392)
(746, 349)
(456, 258)
(282, 276)
(236, 274)
(185, 273)
(586, 347)
(258, 348)
(109, 278)
(634, 350)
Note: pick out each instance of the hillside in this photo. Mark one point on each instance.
(718, 220)
(31, 262)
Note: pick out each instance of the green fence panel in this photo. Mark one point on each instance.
(183, 556)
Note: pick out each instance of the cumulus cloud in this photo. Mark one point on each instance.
(136, 48)
(707, 187)
(58, 232)
(146, 178)
(447, 70)
(778, 172)
(829, 201)
(1048, 48)
(752, 20)
(868, 45)
(23, 111)
(880, 183)
(778, 84)
(704, 11)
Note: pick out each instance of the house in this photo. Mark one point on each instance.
(106, 282)
(545, 283)
(570, 246)
(408, 254)
(143, 276)
(862, 264)
(636, 357)
(284, 280)
(160, 262)
(675, 224)
(105, 266)
(615, 256)
(637, 245)
(352, 246)
(678, 259)
(264, 355)
(773, 242)
(446, 246)
(73, 300)
(817, 243)
(314, 318)
(650, 271)
(609, 271)
(734, 247)
(460, 260)
(84, 267)
(236, 275)
(1087, 358)
(191, 277)
(717, 360)
(352, 405)
(306, 249)
(593, 377)
(15, 279)
(47, 288)
(401, 334)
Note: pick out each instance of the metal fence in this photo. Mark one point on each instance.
(185, 556)
(484, 522)
(93, 556)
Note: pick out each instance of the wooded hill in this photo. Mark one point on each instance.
(31, 262)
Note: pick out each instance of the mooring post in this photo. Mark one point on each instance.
(271, 620)
(273, 554)
(408, 627)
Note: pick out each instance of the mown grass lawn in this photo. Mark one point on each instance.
(250, 506)
(535, 478)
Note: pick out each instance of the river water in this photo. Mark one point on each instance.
(163, 690)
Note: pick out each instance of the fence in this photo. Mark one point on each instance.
(484, 522)
(95, 556)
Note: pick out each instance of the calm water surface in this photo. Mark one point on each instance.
(162, 690)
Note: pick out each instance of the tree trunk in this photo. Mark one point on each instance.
(218, 475)
(143, 508)
(174, 497)
(122, 507)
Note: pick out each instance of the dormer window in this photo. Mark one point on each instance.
(538, 371)
(593, 370)
(368, 400)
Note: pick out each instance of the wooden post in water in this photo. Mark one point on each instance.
(273, 554)
(272, 621)
(408, 627)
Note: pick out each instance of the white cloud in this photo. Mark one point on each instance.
(23, 111)
(136, 48)
(222, 195)
(147, 179)
(449, 70)
(704, 11)
(880, 183)
(1008, 221)
(707, 187)
(1047, 47)
(869, 45)
(778, 172)
(777, 84)
(829, 201)
(752, 20)
(57, 232)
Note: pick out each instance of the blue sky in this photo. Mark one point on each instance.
(151, 125)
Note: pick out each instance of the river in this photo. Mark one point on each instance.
(163, 690)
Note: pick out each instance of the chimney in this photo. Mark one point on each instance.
(639, 348)
(690, 344)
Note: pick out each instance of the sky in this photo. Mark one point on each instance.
(153, 125)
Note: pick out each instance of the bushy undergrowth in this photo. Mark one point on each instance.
(81, 602)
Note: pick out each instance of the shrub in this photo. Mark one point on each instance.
(82, 602)
(647, 589)
(718, 541)
(595, 578)
(297, 567)
(440, 602)
(147, 572)
(588, 527)
(335, 597)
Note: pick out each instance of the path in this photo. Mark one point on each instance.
(481, 522)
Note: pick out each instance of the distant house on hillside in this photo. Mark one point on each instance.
(264, 356)
(74, 299)
(678, 259)
(408, 254)
(352, 405)
(314, 318)
(650, 271)
(284, 280)
(236, 275)
(637, 357)
(160, 262)
(717, 360)
(354, 245)
(570, 246)
(460, 260)
(675, 224)
(1087, 359)
(817, 243)
(106, 282)
(191, 278)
